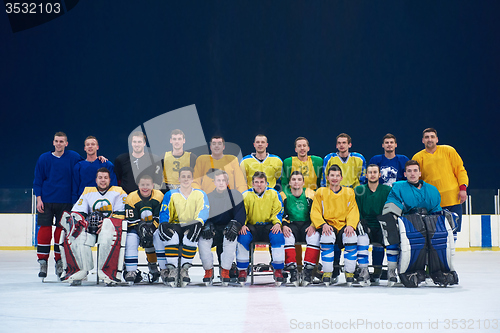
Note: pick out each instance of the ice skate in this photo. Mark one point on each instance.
(225, 277)
(375, 277)
(307, 274)
(172, 276)
(278, 277)
(164, 276)
(43, 269)
(349, 279)
(242, 276)
(335, 274)
(184, 275)
(209, 277)
(364, 277)
(154, 272)
(59, 268)
(392, 277)
(130, 277)
(327, 278)
(294, 277)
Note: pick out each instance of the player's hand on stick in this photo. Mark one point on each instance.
(194, 230)
(165, 232)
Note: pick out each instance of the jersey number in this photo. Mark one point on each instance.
(177, 166)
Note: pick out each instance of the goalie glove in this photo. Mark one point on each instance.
(165, 232)
(193, 231)
(208, 231)
(145, 230)
(94, 220)
(231, 230)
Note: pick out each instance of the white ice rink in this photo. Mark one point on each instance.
(28, 305)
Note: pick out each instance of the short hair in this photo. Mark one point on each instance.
(186, 168)
(429, 130)
(217, 137)
(145, 176)
(412, 162)
(103, 169)
(372, 166)
(389, 136)
(297, 173)
(138, 134)
(343, 135)
(177, 132)
(334, 167)
(61, 134)
(259, 174)
(219, 172)
(301, 138)
(89, 138)
(260, 135)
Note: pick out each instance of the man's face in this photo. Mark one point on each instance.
(102, 181)
(372, 174)
(91, 147)
(145, 187)
(60, 143)
(389, 145)
(301, 148)
(177, 141)
(334, 178)
(217, 146)
(260, 144)
(296, 182)
(259, 184)
(430, 140)
(138, 144)
(220, 182)
(342, 145)
(185, 179)
(412, 173)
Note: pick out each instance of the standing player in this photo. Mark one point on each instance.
(264, 210)
(371, 198)
(176, 159)
(262, 161)
(335, 215)
(91, 223)
(85, 171)
(142, 211)
(183, 213)
(297, 201)
(442, 167)
(227, 215)
(52, 188)
(353, 165)
(310, 166)
(392, 165)
(207, 164)
(129, 166)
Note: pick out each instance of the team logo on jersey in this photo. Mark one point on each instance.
(146, 214)
(103, 206)
(389, 175)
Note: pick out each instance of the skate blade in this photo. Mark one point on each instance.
(364, 283)
(76, 283)
(225, 284)
(277, 283)
(305, 283)
(390, 284)
(129, 283)
(349, 284)
(296, 283)
(242, 284)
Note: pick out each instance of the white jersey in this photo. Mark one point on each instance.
(111, 203)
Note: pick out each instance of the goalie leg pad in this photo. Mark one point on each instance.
(111, 250)
(389, 224)
(413, 254)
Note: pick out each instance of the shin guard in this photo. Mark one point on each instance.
(111, 249)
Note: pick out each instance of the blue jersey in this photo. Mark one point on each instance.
(408, 197)
(85, 173)
(391, 170)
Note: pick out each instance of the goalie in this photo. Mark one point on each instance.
(417, 232)
(96, 218)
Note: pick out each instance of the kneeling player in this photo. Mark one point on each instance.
(142, 210)
(263, 224)
(183, 213)
(97, 217)
(297, 202)
(227, 215)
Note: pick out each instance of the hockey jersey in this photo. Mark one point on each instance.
(445, 170)
(353, 169)
(297, 208)
(370, 204)
(408, 197)
(264, 208)
(271, 166)
(111, 202)
(391, 170)
(139, 209)
(176, 208)
(128, 169)
(84, 174)
(205, 164)
(336, 209)
(311, 169)
(226, 206)
(172, 164)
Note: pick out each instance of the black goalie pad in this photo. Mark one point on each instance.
(389, 224)
(363, 227)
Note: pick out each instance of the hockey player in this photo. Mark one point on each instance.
(392, 165)
(297, 201)
(264, 210)
(335, 215)
(310, 166)
(97, 217)
(182, 216)
(52, 188)
(227, 215)
(176, 159)
(370, 198)
(142, 211)
(262, 161)
(85, 171)
(422, 237)
(207, 164)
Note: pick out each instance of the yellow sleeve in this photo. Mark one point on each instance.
(240, 182)
(458, 169)
(277, 210)
(317, 211)
(352, 217)
(198, 173)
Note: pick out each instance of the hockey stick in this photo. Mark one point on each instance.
(97, 264)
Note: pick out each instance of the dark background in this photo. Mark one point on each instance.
(283, 68)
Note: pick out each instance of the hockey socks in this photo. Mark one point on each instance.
(43, 242)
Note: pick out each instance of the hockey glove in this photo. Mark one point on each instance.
(94, 219)
(166, 233)
(193, 231)
(231, 230)
(145, 230)
(208, 231)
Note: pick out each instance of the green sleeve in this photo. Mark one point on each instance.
(285, 174)
(318, 168)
